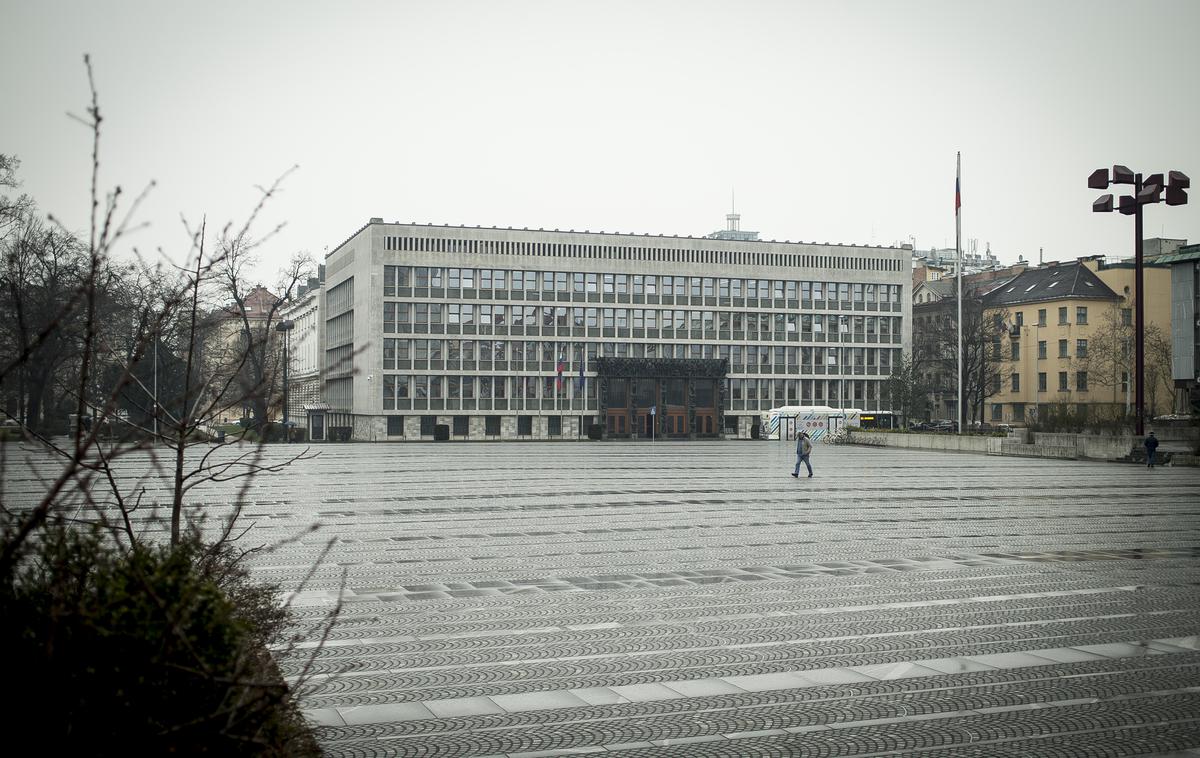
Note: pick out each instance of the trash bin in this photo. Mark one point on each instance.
(220, 435)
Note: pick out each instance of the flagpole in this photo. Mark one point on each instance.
(958, 250)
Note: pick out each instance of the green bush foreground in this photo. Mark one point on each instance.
(149, 650)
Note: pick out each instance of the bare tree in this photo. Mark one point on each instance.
(104, 318)
(242, 351)
(907, 390)
(938, 348)
(1159, 380)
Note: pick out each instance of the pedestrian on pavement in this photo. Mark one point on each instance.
(1151, 444)
(803, 450)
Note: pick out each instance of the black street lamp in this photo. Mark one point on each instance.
(285, 326)
(1145, 191)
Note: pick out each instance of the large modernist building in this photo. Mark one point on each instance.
(518, 333)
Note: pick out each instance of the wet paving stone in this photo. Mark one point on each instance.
(693, 599)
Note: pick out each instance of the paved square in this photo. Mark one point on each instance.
(693, 599)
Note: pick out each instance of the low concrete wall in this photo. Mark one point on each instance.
(951, 442)
(1065, 446)
(1102, 447)
(1035, 450)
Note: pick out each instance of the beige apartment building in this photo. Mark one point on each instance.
(1069, 340)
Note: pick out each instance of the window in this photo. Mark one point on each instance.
(1062, 382)
(1041, 350)
(997, 412)
(994, 389)
(1081, 314)
(1041, 381)
(1080, 348)
(1081, 381)
(1016, 350)
(554, 426)
(1062, 349)
(1127, 317)
(1041, 317)
(427, 424)
(525, 425)
(1020, 318)
(1062, 315)
(395, 426)
(461, 426)
(491, 426)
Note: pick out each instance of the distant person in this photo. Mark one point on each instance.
(803, 450)
(1151, 444)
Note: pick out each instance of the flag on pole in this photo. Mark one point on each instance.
(957, 195)
(582, 359)
(558, 380)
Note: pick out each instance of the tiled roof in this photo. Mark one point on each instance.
(1067, 280)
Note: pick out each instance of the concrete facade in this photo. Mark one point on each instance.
(395, 293)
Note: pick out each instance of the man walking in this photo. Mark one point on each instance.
(803, 450)
(1151, 444)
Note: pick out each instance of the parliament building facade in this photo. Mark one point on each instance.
(502, 333)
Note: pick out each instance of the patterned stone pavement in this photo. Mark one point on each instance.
(693, 599)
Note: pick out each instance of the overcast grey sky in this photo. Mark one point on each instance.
(834, 121)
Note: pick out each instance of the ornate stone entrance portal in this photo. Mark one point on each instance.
(661, 398)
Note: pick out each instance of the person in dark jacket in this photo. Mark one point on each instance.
(1151, 444)
(803, 450)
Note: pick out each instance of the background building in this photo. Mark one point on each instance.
(1185, 326)
(1069, 341)
(510, 333)
(306, 353)
(232, 337)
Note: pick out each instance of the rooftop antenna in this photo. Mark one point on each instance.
(1040, 256)
(732, 219)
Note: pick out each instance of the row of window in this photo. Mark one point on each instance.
(1081, 382)
(516, 354)
(637, 253)
(398, 279)
(1081, 316)
(742, 393)
(1020, 411)
(402, 317)
(460, 426)
(1081, 349)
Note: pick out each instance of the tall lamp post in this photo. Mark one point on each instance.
(285, 327)
(1149, 190)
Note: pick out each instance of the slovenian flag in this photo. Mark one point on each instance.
(561, 367)
(581, 362)
(957, 196)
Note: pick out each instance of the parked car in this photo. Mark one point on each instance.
(944, 426)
